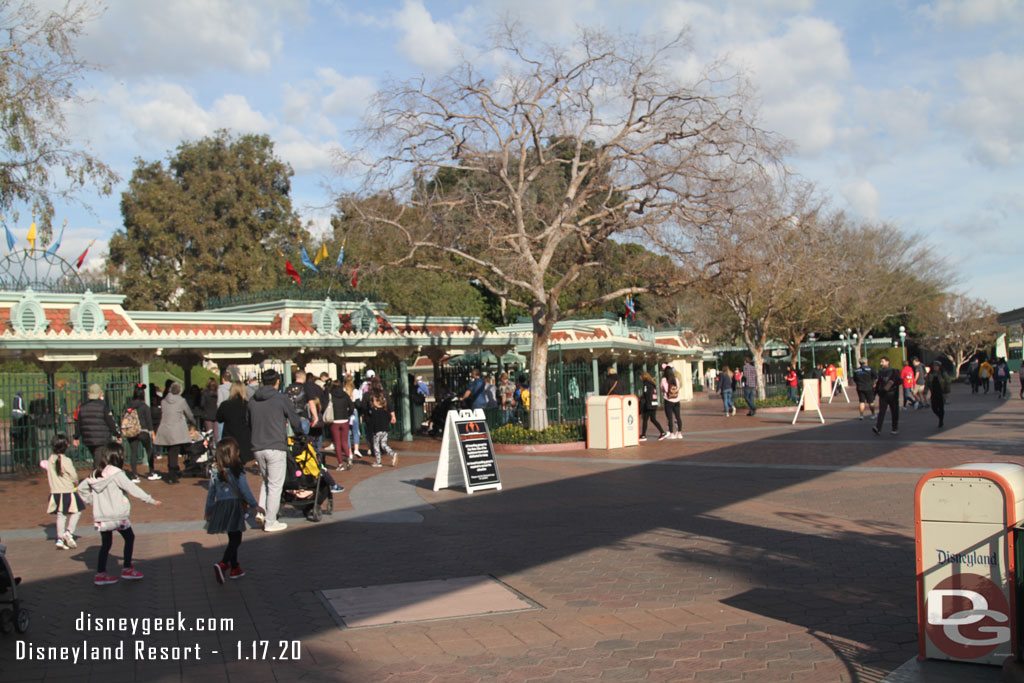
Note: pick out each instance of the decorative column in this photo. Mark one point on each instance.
(632, 387)
(403, 396)
(597, 377)
(144, 379)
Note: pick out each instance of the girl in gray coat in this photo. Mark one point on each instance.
(111, 508)
(175, 418)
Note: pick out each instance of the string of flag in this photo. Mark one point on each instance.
(322, 255)
(33, 235)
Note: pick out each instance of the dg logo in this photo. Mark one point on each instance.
(968, 616)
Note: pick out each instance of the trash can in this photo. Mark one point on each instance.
(630, 421)
(966, 562)
(604, 422)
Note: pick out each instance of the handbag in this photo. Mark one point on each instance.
(328, 416)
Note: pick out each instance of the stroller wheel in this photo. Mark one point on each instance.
(315, 515)
(21, 620)
(6, 621)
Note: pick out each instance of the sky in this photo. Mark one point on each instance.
(904, 111)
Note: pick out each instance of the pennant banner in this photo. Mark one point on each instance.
(290, 269)
(341, 256)
(52, 251)
(307, 262)
(10, 239)
(81, 259)
(320, 255)
(355, 277)
(32, 235)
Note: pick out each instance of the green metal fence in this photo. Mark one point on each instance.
(50, 402)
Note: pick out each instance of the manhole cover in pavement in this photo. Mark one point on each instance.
(399, 603)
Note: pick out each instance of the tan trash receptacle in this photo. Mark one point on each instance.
(604, 422)
(965, 561)
(630, 420)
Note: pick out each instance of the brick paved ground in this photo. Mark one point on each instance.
(749, 551)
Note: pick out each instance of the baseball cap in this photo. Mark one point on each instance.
(370, 374)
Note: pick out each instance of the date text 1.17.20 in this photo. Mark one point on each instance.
(268, 650)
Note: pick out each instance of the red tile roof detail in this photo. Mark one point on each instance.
(116, 322)
(301, 322)
(60, 320)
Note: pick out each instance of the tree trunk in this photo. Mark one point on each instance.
(794, 353)
(758, 358)
(539, 372)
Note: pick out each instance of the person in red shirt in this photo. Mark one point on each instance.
(791, 381)
(907, 375)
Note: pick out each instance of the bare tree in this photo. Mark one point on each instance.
(957, 326)
(38, 70)
(519, 179)
(885, 274)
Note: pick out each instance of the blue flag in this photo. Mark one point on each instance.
(10, 239)
(52, 251)
(341, 256)
(308, 262)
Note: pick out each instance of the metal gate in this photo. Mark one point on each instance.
(50, 401)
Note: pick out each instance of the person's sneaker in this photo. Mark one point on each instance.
(642, 438)
(678, 435)
(260, 518)
(218, 572)
(153, 476)
(340, 468)
(394, 459)
(861, 417)
(69, 540)
(236, 573)
(61, 545)
(337, 489)
(131, 574)
(135, 479)
(895, 431)
(376, 464)
(875, 430)
(275, 526)
(104, 579)
(357, 454)
(662, 436)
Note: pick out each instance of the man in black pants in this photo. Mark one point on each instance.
(887, 387)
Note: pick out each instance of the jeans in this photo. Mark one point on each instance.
(272, 464)
(748, 395)
(727, 400)
(354, 429)
(792, 394)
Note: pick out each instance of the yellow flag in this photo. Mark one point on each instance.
(320, 255)
(32, 235)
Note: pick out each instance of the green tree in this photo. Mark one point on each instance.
(213, 222)
(39, 162)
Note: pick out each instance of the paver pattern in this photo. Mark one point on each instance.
(748, 551)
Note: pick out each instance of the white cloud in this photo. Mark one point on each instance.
(347, 94)
(863, 198)
(186, 37)
(973, 13)
(992, 107)
(305, 155)
(901, 114)
(430, 45)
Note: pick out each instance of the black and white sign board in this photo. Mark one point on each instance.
(466, 449)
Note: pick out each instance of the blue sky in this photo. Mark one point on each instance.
(903, 111)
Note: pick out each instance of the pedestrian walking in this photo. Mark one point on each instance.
(270, 412)
(94, 423)
(649, 406)
(670, 395)
(985, 374)
(341, 400)
(887, 387)
(935, 385)
(228, 502)
(353, 423)
(750, 386)
(64, 499)
(140, 443)
(725, 388)
(380, 415)
(207, 411)
(907, 381)
(173, 431)
(111, 510)
(233, 414)
(864, 379)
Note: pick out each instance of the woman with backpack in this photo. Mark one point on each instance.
(670, 394)
(649, 406)
(137, 428)
(725, 385)
(341, 400)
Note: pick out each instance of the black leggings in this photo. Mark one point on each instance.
(672, 413)
(651, 415)
(231, 552)
(108, 539)
(143, 442)
(172, 459)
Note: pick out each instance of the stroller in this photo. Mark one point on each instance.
(198, 454)
(305, 486)
(14, 617)
(439, 415)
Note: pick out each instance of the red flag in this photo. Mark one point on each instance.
(290, 269)
(355, 276)
(81, 259)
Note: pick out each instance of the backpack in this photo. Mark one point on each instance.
(378, 401)
(296, 393)
(524, 396)
(130, 425)
(673, 390)
(1001, 371)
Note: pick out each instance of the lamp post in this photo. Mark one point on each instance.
(903, 342)
(846, 356)
(810, 338)
(854, 349)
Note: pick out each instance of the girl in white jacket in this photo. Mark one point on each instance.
(106, 491)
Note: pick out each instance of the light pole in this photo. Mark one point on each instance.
(846, 352)
(903, 342)
(810, 338)
(854, 350)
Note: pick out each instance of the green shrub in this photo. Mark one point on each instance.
(556, 433)
(770, 402)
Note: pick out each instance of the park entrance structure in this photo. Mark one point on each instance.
(77, 337)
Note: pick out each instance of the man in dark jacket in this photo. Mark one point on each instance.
(612, 384)
(270, 412)
(887, 386)
(94, 424)
(864, 379)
